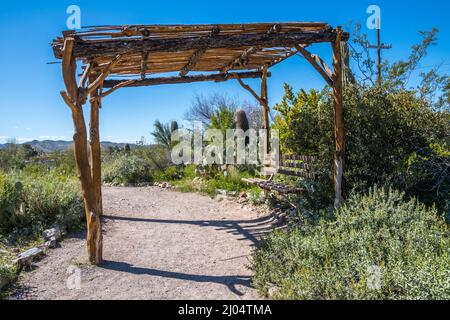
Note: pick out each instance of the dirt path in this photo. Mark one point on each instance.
(157, 245)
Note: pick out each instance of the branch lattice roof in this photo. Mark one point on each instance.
(143, 50)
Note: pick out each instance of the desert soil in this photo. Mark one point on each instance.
(158, 244)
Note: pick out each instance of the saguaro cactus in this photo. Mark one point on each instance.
(242, 120)
(173, 126)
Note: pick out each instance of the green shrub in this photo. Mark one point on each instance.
(408, 243)
(53, 198)
(8, 270)
(127, 169)
(142, 164)
(38, 200)
(169, 174)
(10, 200)
(392, 138)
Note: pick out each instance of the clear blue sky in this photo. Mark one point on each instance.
(30, 105)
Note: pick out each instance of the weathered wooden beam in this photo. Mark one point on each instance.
(98, 82)
(265, 105)
(339, 132)
(68, 71)
(85, 75)
(188, 79)
(88, 49)
(241, 60)
(317, 63)
(198, 54)
(68, 100)
(249, 89)
(116, 87)
(144, 64)
(281, 59)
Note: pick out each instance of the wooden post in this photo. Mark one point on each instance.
(96, 166)
(338, 119)
(75, 98)
(265, 101)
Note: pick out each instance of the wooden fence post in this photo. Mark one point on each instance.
(265, 101)
(339, 132)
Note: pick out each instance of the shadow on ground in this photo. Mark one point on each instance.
(228, 281)
(252, 230)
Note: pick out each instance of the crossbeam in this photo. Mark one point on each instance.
(241, 60)
(186, 79)
(88, 49)
(198, 54)
(318, 64)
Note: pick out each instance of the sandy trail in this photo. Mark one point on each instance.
(158, 244)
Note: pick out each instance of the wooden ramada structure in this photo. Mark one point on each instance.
(221, 51)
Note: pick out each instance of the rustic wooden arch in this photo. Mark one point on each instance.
(141, 50)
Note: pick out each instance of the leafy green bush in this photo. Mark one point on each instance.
(127, 169)
(390, 138)
(10, 199)
(408, 243)
(35, 201)
(171, 173)
(53, 198)
(8, 270)
(142, 164)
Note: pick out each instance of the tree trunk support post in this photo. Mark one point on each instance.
(265, 105)
(75, 98)
(96, 166)
(339, 132)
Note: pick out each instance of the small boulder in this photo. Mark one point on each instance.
(242, 200)
(51, 243)
(221, 192)
(26, 258)
(232, 194)
(55, 233)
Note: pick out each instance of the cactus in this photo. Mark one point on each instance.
(173, 126)
(242, 120)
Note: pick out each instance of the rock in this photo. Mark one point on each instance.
(26, 258)
(243, 194)
(242, 200)
(221, 197)
(221, 192)
(232, 193)
(51, 243)
(55, 233)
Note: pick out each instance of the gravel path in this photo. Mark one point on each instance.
(158, 244)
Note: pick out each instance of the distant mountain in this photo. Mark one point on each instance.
(51, 145)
